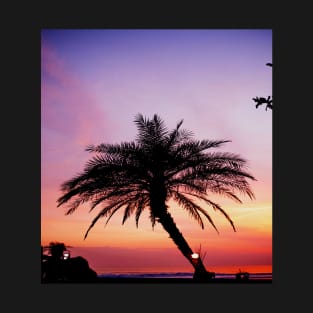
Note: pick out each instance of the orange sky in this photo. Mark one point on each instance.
(126, 248)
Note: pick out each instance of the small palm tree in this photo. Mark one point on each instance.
(157, 166)
(56, 249)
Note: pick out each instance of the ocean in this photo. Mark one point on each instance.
(188, 275)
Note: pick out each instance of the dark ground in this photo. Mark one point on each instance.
(181, 281)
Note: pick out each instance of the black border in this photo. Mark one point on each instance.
(23, 149)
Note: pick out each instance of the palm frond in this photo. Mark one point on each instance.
(208, 217)
(219, 208)
(113, 212)
(190, 206)
(219, 187)
(128, 211)
(114, 193)
(197, 207)
(150, 131)
(142, 203)
(110, 209)
(138, 214)
(123, 148)
(74, 205)
(178, 136)
(152, 219)
(215, 206)
(136, 203)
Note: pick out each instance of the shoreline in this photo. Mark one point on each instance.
(123, 280)
(167, 280)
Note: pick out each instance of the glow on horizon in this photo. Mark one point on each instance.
(93, 84)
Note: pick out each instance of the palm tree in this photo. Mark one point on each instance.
(157, 166)
(56, 249)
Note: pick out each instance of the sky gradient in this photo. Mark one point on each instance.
(94, 82)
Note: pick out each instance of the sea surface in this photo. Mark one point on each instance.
(179, 275)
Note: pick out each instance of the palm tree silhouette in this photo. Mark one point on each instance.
(157, 166)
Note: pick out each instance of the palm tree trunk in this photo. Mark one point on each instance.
(200, 274)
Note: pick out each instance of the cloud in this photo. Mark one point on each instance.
(71, 118)
(67, 106)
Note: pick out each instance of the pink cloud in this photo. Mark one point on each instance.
(71, 118)
(66, 103)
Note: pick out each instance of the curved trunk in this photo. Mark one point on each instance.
(200, 274)
(159, 209)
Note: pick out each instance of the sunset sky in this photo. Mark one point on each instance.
(94, 82)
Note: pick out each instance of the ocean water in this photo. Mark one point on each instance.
(179, 275)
